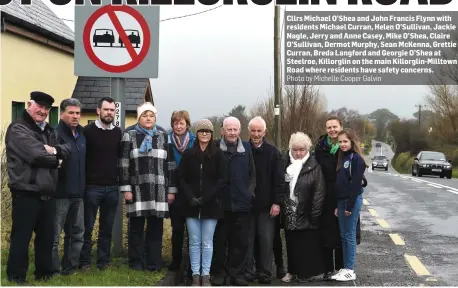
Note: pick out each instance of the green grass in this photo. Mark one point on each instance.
(119, 274)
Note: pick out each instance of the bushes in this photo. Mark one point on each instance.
(402, 162)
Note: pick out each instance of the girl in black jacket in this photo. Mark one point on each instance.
(202, 174)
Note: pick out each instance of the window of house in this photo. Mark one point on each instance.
(16, 110)
(54, 116)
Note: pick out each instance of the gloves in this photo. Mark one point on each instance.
(195, 202)
(364, 184)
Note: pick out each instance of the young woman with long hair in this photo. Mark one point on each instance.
(350, 169)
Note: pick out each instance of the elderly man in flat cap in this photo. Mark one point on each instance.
(34, 153)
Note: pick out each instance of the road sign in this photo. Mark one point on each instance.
(116, 41)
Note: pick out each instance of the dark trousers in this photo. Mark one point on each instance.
(153, 238)
(107, 198)
(178, 223)
(70, 218)
(260, 246)
(278, 246)
(31, 214)
(231, 232)
(333, 259)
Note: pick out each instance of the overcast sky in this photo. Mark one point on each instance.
(213, 61)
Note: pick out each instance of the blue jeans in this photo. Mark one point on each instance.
(70, 218)
(106, 199)
(348, 230)
(200, 233)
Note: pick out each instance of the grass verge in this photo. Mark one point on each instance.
(119, 274)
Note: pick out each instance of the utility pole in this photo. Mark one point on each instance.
(118, 94)
(277, 81)
(419, 114)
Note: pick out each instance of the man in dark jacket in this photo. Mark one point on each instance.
(70, 190)
(237, 199)
(34, 152)
(270, 180)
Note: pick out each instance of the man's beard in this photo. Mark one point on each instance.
(106, 121)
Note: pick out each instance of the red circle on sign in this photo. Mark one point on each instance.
(136, 60)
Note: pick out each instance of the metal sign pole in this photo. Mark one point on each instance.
(118, 95)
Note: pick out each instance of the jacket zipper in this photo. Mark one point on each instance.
(200, 187)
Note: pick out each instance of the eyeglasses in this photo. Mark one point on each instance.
(204, 131)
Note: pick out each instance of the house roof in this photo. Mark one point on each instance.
(90, 89)
(40, 19)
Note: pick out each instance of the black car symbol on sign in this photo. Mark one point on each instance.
(134, 37)
(103, 36)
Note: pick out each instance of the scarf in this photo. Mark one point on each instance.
(181, 146)
(292, 173)
(334, 147)
(147, 144)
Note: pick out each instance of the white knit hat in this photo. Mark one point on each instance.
(147, 106)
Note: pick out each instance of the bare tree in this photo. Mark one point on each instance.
(303, 109)
(443, 101)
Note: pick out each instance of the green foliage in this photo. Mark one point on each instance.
(383, 117)
(402, 162)
(408, 137)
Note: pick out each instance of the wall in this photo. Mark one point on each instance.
(27, 66)
(130, 119)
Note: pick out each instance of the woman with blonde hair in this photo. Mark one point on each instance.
(147, 179)
(302, 208)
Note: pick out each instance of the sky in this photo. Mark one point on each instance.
(211, 62)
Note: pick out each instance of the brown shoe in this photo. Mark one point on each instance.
(195, 280)
(206, 280)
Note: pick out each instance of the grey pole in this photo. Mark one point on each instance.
(118, 95)
(277, 81)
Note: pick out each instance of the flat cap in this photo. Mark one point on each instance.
(42, 98)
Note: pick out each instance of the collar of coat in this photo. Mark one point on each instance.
(240, 148)
(68, 130)
(32, 124)
(308, 166)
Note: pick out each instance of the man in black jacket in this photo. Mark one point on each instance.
(269, 193)
(70, 190)
(34, 153)
(237, 199)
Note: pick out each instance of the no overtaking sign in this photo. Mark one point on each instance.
(116, 41)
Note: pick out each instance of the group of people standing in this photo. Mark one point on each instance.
(315, 196)
(232, 196)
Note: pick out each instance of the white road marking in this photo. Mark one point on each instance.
(435, 186)
(452, 191)
(449, 189)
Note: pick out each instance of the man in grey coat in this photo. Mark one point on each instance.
(34, 153)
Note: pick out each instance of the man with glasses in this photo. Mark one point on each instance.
(34, 153)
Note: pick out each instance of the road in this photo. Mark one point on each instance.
(409, 231)
(423, 211)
